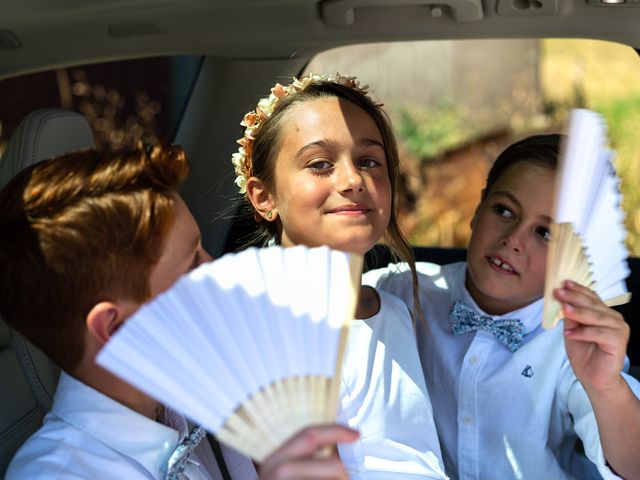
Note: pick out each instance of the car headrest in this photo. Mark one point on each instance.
(44, 134)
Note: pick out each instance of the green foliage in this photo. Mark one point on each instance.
(623, 117)
(429, 132)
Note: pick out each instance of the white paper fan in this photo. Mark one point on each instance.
(249, 346)
(587, 236)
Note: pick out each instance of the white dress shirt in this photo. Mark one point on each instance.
(384, 396)
(88, 435)
(500, 415)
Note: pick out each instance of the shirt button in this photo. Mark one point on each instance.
(473, 360)
(467, 419)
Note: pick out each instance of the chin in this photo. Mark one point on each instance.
(353, 245)
(504, 300)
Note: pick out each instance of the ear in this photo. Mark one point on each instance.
(104, 319)
(262, 200)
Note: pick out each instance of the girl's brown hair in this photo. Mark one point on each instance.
(79, 229)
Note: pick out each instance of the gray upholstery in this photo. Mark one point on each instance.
(27, 377)
(44, 134)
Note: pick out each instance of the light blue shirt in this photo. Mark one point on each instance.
(499, 415)
(88, 435)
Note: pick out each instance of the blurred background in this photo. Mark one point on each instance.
(455, 105)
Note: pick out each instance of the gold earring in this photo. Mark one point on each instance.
(269, 215)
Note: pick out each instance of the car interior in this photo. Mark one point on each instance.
(29, 378)
(241, 48)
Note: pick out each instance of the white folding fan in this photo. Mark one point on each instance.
(588, 234)
(248, 346)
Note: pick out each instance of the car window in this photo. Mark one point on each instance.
(455, 105)
(123, 101)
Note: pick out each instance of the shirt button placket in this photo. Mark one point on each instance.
(467, 411)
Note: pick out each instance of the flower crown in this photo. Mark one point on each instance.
(253, 120)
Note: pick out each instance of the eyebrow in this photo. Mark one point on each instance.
(364, 142)
(512, 197)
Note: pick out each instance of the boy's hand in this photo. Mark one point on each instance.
(298, 459)
(596, 337)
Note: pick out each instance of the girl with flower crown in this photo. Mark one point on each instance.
(318, 165)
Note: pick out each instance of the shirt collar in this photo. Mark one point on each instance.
(530, 315)
(146, 441)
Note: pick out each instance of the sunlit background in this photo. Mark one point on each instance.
(454, 105)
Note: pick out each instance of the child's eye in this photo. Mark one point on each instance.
(503, 211)
(368, 163)
(544, 232)
(319, 166)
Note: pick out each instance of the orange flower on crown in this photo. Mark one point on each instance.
(252, 120)
(279, 91)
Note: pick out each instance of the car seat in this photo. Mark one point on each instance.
(28, 378)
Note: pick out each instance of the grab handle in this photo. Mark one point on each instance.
(341, 13)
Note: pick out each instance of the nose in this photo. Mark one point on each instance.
(349, 178)
(514, 240)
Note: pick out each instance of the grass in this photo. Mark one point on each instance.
(605, 77)
(429, 132)
(605, 71)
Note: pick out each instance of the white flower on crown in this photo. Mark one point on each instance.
(252, 121)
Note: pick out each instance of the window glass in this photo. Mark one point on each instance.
(124, 101)
(455, 105)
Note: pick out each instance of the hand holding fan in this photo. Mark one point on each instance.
(587, 236)
(249, 346)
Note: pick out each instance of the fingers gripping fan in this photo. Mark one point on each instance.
(587, 236)
(249, 346)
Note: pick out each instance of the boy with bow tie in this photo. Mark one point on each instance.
(510, 399)
(85, 239)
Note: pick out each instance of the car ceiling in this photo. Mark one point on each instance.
(43, 34)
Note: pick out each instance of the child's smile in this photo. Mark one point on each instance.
(351, 210)
(508, 249)
(501, 266)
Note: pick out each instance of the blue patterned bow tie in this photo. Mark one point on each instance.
(509, 332)
(178, 459)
